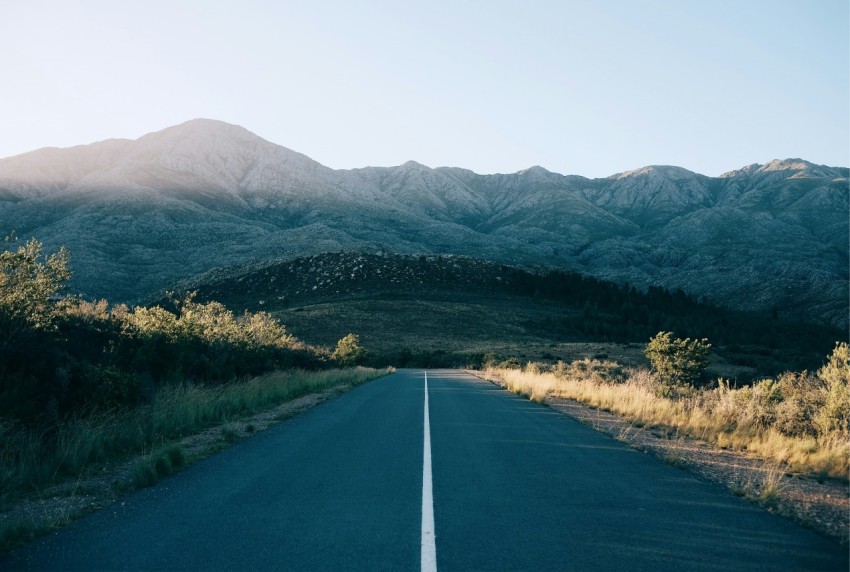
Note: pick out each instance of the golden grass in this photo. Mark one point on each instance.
(633, 399)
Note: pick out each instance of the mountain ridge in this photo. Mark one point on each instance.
(141, 214)
(214, 128)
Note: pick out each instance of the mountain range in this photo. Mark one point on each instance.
(140, 215)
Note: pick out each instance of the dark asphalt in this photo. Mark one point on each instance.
(516, 486)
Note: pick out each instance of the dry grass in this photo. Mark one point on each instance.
(629, 394)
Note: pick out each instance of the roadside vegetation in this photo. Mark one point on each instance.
(34, 457)
(85, 383)
(798, 419)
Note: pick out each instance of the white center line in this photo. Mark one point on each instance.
(429, 546)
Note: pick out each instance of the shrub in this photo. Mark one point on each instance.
(594, 370)
(759, 403)
(834, 415)
(349, 351)
(802, 397)
(532, 368)
(144, 474)
(262, 330)
(510, 363)
(176, 455)
(27, 283)
(678, 362)
(106, 386)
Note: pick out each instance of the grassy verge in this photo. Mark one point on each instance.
(718, 416)
(33, 461)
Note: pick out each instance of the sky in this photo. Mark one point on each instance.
(590, 87)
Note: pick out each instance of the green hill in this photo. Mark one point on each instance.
(448, 310)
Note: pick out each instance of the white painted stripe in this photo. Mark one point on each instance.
(429, 545)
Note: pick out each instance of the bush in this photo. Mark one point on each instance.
(106, 386)
(759, 403)
(834, 415)
(802, 397)
(532, 368)
(593, 370)
(28, 281)
(510, 363)
(678, 362)
(349, 351)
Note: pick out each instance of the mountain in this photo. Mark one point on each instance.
(139, 215)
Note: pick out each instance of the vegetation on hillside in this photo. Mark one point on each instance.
(578, 308)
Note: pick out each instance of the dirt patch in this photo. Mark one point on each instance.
(822, 506)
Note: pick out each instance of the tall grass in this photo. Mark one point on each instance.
(32, 459)
(722, 416)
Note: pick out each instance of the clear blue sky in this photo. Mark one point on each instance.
(580, 87)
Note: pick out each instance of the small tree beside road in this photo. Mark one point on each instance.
(348, 351)
(680, 363)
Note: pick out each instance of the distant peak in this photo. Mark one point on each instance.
(787, 165)
(794, 166)
(534, 170)
(202, 134)
(201, 121)
(662, 171)
(205, 127)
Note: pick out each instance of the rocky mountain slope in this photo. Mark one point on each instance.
(139, 215)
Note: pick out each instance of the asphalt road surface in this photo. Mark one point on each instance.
(512, 486)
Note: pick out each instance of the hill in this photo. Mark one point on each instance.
(448, 310)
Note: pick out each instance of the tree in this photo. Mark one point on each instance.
(349, 351)
(677, 361)
(28, 284)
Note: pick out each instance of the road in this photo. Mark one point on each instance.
(513, 486)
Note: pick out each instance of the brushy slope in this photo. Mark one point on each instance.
(450, 310)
